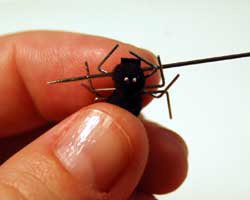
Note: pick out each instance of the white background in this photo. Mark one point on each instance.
(210, 102)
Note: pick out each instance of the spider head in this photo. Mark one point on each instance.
(128, 76)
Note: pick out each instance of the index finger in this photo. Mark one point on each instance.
(28, 60)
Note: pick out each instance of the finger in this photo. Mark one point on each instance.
(166, 168)
(93, 154)
(29, 60)
(167, 163)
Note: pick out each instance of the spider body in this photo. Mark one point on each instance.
(129, 82)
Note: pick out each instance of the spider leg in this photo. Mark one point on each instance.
(162, 84)
(154, 70)
(92, 89)
(160, 93)
(169, 106)
(99, 67)
(98, 97)
(168, 100)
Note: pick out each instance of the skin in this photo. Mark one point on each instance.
(31, 108)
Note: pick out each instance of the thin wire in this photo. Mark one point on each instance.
(78, 78)
(207, 60)
(166, 66)
(169, 106)
(172, 82)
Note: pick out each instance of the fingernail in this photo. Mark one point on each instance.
(94, 149)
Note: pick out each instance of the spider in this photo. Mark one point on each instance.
(129, 83)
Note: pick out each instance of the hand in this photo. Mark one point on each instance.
(100, 151)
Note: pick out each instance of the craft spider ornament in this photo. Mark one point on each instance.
(130, 80)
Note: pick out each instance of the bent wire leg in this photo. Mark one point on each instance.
(169, 106)
(99, 67)
(154, 67)
(91, 88)
(168, 101)
(160, 93)
(162, 84)
(154, 70)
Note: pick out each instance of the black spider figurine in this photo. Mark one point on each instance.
(129, 83)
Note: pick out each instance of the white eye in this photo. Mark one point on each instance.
(126, 79)
(134, 80)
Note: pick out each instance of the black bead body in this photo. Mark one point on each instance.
(129, 83)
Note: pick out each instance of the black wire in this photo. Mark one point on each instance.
(166, 66)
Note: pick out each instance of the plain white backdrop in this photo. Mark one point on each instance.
(210, 102)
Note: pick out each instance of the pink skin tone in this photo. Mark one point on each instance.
(97, 152)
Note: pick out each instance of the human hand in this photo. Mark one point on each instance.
(100, 151)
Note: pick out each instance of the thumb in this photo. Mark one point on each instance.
(97, 153)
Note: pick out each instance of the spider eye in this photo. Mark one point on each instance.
(126, 79)
(134, 80)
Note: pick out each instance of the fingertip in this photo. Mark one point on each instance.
(168, 160)
(118, 142)
(138, 138)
